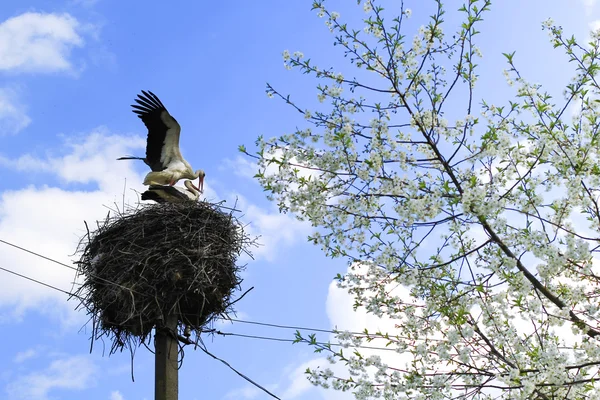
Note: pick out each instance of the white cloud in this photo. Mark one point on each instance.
(589, 5)
(299, 384)
(94, 160)
(241, 166)
(72, 373)
(248, 392)
(13, 117)
(38, 42)
(342, 316)
(594, 27)
(276, 230)
(116, 395)
(341, 313)
(25, 355)
(50, 220)
(244, 167)
(574, 109)
(25, 163)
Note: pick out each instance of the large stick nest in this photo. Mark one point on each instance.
(160, 259)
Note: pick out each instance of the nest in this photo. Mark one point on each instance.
(160, 260)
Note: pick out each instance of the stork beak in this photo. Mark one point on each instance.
(201, 184)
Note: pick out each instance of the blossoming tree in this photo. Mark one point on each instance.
(488, 214)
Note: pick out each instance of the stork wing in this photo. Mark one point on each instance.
(152, 195)
(177, 193)
(163, 131)
(174, 191)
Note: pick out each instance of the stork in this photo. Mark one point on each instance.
(172, 194)
(162, 145)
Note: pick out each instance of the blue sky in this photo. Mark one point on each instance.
(69, 71)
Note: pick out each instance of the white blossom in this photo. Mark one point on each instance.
(471, 229)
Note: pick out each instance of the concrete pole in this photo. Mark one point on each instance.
(166, 379)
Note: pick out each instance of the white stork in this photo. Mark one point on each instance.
(172, 194)
(162, 146)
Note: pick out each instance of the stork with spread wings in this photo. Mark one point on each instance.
(162, 146)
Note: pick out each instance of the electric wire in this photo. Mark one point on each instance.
(300, 328)
(325, 344)
(114, 283)
(36, 281)
(335, 332)
(279, 326)
(38, 254)
(217, 332)
(205, 350)
(68, 266)
(201, 347)
(288, 326)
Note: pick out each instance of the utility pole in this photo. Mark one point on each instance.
(166, 348)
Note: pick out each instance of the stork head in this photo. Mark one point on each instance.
(200, 174)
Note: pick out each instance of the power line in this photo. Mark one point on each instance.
(300, 328)
(38, 255)
(114, 283)
(71, 294)
(36, 281)
(279, 326)
(213, 331)
(70, 267)
(221, 333)
(335, 332)
(217, 332)
(289, 327)
(232, 319)
(203, 348)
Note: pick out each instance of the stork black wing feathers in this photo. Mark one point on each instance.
(151, 193)
(148, 195)
(171, 190)
(149, 108)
